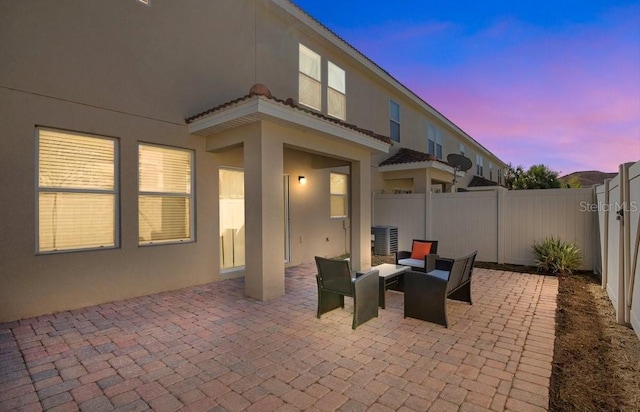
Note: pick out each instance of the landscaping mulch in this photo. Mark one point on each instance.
(596, 361)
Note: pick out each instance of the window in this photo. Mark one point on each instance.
(479, 165)
(499, 176)
(232, 234)
(461, 149)
(434, 136)
(394, 120)
(490, 171)
(77, 191)
(336, 99)
(338, 194)
(165, 194)
(309, 78)
(431, 139)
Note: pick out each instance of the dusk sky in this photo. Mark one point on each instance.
(551, 82)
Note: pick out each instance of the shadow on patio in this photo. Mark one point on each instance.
(210, 348)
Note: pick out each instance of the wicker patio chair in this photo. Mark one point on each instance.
(336, 280)
(422, 256)
(425, 294)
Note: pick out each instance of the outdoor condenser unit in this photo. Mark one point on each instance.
(385, 241)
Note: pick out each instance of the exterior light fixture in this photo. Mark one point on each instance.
(302, 180)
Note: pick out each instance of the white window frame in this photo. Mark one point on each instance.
(490, 171)
(393, 121)
(439, 143)
(70, 190)
(344, 196)
(479, 165)
(336, 87)
(314, 79)
(462, 149)
(435, 141)
(190, 196)
(431, 139)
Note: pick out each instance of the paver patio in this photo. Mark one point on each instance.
(210, 348)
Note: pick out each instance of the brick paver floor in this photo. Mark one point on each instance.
(210, 348)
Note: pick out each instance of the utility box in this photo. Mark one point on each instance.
(385, 240)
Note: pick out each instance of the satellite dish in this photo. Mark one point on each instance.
(459, 162)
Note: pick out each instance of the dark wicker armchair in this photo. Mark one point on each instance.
(422, 256)
(425, 294)
(336, 280)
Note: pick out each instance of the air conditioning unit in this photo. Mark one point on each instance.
(385, 240)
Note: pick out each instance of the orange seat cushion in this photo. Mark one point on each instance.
(420, 249)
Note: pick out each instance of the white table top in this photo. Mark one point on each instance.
(390, 269)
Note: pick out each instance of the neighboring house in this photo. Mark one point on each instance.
(587, 178)
(150, 148)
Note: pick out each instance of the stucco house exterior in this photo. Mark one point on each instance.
(151, 147)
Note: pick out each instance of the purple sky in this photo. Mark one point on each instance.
(553, 82)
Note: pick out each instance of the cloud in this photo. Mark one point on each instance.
(569, 99)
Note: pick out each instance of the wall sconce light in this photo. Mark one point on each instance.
(302, 180)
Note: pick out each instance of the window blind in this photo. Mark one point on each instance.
(338, 194)
(309, 82)
(76, 191)
(165, 194)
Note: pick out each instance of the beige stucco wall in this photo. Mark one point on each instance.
(134, 72)
(34, 284)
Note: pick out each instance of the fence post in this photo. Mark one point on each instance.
(626, 225)
(620, 310)
(605, 209)
(500, 208)
(427, 215)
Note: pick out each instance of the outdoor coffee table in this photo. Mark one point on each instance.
(390, 274)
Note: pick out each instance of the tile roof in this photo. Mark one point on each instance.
(410, 156)
(479, 181)
(262, 91)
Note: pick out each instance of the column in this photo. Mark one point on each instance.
(264, 216)
(361, 214)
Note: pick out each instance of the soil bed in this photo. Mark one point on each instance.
(596, 361)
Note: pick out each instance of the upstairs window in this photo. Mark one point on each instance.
(336, 92)
(490, 171)
(165, 194)
(500, 176)
(77, 191)
(309, 82)
(338, 195)
(479, 165)
(435, 141)
(394, 120)
(461, 149)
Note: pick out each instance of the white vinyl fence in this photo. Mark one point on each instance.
(618, 207)
(501, 225)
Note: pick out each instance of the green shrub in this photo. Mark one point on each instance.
(555, 256)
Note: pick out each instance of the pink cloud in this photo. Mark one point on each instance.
(571, 101)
